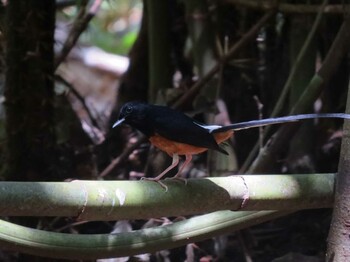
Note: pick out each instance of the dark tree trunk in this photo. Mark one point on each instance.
(338, 239)
(29, 89)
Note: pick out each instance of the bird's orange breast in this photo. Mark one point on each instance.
(172, 147)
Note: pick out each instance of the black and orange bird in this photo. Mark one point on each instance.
(179, 135)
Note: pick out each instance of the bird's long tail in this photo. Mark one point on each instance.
(278, 120)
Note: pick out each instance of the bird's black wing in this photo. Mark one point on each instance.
(178, 127)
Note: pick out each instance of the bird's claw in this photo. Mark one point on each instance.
(154, 179)
(178, 178)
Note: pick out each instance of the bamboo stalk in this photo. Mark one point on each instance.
(114, 200)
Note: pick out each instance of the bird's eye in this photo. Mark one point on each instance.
(128, 110)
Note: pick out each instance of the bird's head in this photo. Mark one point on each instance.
(133, 114)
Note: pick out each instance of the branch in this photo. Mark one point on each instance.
(72, 246)
(80, 98)
(80, 24)
(114, 200)
(338, 240)
(289, 8)
(122, 157)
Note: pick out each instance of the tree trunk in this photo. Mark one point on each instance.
(339, 240)
(29, 89)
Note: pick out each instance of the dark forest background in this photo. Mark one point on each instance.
(67, 67)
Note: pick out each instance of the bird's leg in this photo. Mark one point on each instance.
(187, 161)
(157, 178)
(178, 175)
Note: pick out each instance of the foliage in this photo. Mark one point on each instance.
(114, 29)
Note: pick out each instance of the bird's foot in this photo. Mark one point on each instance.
(157, 180)
(178, 178)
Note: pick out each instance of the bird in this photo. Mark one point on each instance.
(177, 134)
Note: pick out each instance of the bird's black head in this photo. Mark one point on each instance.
(133, 114)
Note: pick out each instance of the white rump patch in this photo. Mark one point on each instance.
(211, 128)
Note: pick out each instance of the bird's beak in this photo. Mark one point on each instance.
(118, 122)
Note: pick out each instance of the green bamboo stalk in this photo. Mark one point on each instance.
(90, 200)
(159, 64)
(70, 246)
(114, 200)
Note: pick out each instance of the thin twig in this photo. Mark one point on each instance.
(290, 8)
(122, 157)
(80, 98)
(260, 107)
(80, 24)
(65, 3)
